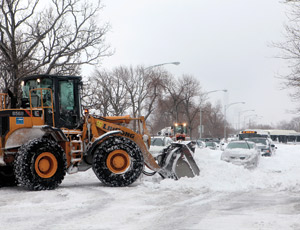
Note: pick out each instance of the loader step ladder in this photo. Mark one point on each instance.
(76, 157)
(76, 144)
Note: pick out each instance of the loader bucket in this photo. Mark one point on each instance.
(177, 161)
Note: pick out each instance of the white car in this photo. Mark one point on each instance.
(243, 153)
(158, 143)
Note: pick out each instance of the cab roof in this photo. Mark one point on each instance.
(59, 77)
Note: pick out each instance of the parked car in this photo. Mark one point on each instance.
(204, 139)
(158, 143)
(200, 144)
(265, 145)
(243, 153)
(212, 145)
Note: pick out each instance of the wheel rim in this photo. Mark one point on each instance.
(118, 161)
(46, 165)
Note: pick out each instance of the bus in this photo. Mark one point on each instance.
(248, 133)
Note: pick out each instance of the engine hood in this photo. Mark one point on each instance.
(238, 152)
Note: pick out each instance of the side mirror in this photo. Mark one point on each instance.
(272, 146)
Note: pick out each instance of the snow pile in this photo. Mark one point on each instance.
(280, 172)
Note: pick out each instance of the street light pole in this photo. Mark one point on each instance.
(251, 115)
(213, 91)
(249, 123)
(225, 110)
(251, 120)
(244, 112)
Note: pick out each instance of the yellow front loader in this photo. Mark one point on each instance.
(50, 135)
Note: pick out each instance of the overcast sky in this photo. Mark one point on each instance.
(224, 44)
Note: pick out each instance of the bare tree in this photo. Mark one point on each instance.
(119, 97)
(213, 120)
(124, 90)
(190, 93)
(156, 79)
(131, 79)
(291, 48)
(55, 37)
(293, 124)
(95, 95)
(179, 103)
(143, 87)
(174, 97)
(106, 92)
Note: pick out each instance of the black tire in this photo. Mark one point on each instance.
(7, 176)
(28, 171)
(106, 149)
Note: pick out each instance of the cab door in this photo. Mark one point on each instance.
(68, 102)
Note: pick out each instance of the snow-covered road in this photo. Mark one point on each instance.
(224, 196)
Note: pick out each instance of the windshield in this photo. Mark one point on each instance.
(242, 136)
(157, 142)
(239, 145)
(34, 84)
(180, 129)
(209, 143)
(260, 141)
(45, 83)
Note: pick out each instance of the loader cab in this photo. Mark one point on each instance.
(180, 131)
(65, 100)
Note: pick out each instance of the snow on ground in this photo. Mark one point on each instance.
(223, 196)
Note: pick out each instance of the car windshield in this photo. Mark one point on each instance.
(239, 145)
(259, 141)
(209, 143)
(251, 145)
(157, 142)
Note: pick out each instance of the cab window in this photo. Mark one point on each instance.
(66, 91)
(67, 112)
(36, 95)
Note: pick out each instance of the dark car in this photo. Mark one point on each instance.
(200, 144)
(265, 145)
(212, 145)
